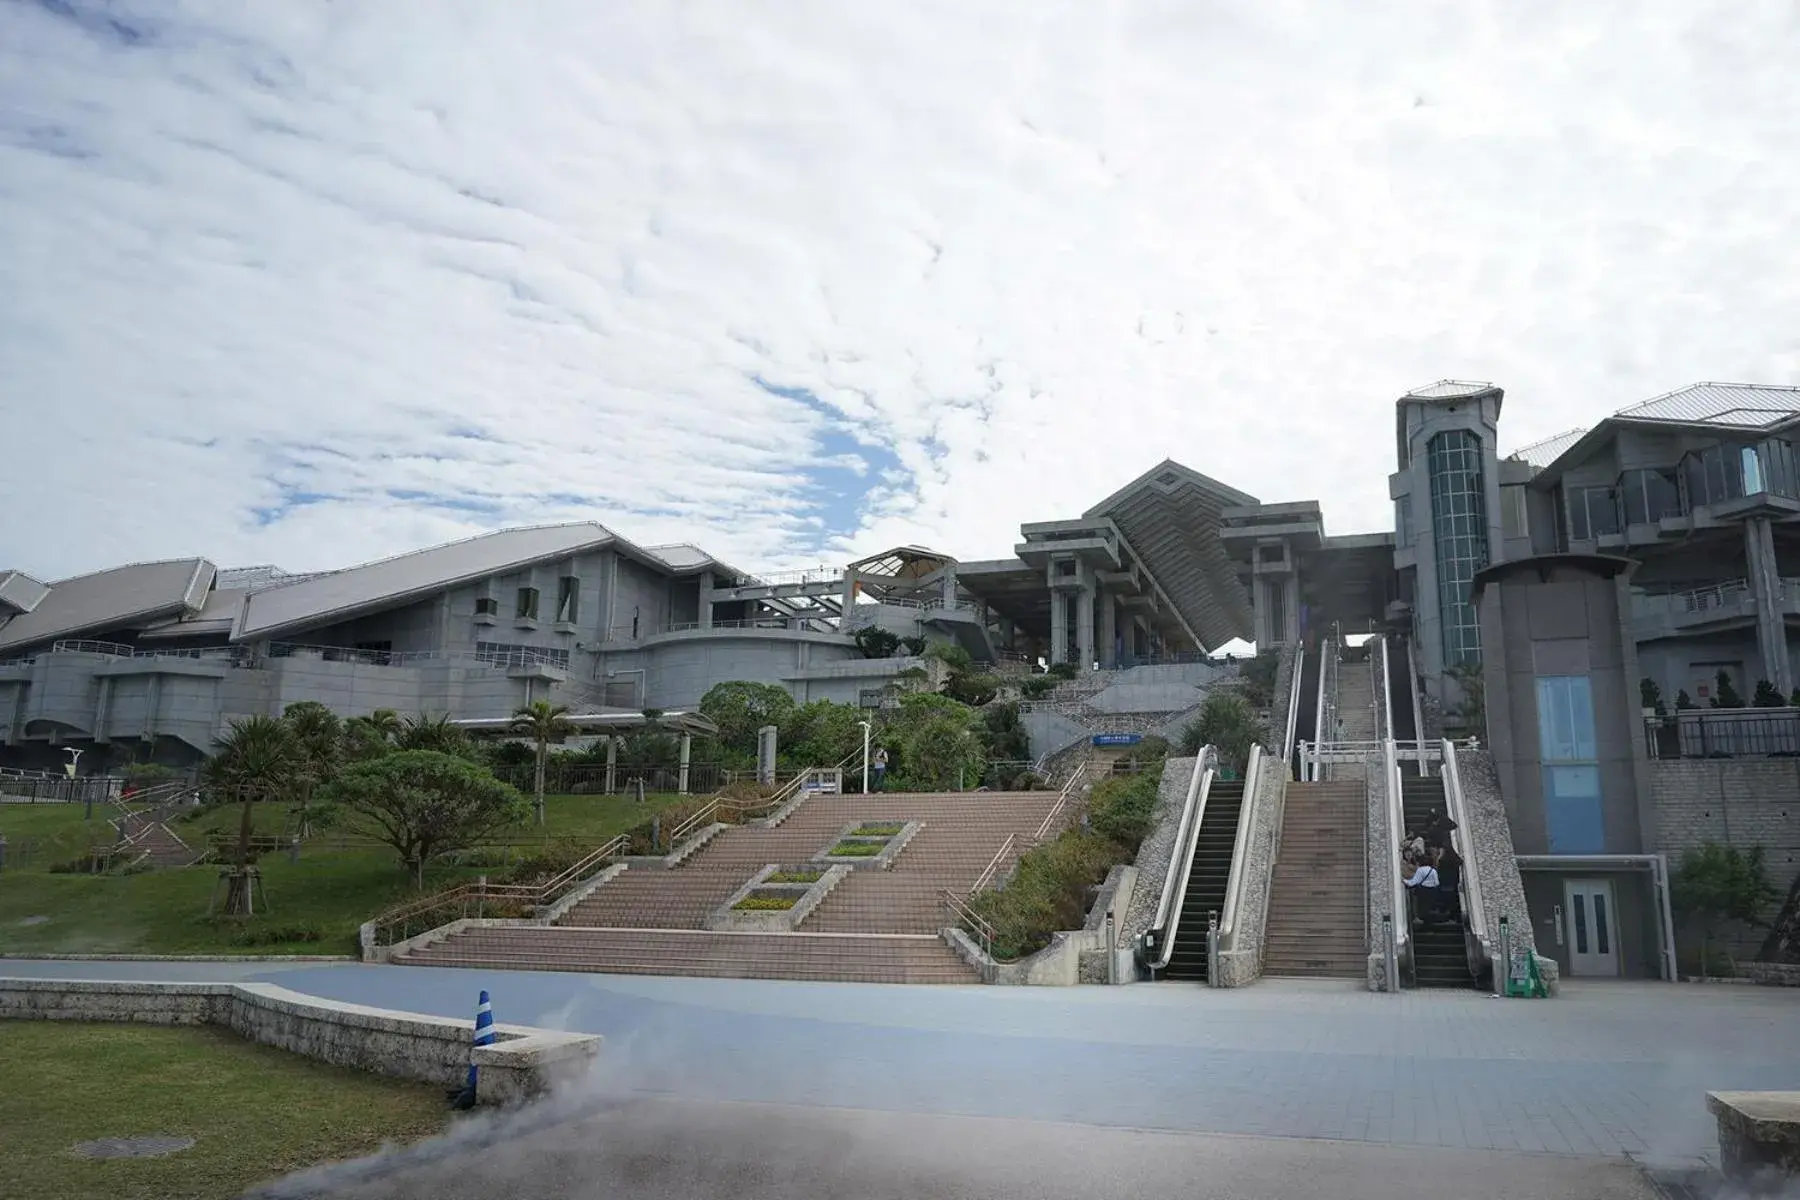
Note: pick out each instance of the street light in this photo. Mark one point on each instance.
(865, 726)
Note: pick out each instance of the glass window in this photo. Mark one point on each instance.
(1572, 810)
(1569, 751)
(527, 609)
(1751, 466)
(568, 599)
(1513, 519)
(1459, 531)
(1593, 512)
(1566, 719)
(1778, 470)
(1649, 495)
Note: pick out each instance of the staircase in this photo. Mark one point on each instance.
(1318, 894)
(1207, 879)
(1440, 956)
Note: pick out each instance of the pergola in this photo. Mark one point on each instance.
(611, 722)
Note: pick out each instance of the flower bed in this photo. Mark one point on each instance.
(879, 829)
(857, 849)
(770, 900)
(804, 876)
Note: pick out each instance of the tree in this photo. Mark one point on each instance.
(1725, 693)
(425, 804)
(876, 642)
(1650, 696)
(1767, 696)
(439, 734)
(1228, 723)
(1717, 883)
(739, 708)
(259, 759)
(1684, 702)
(319, 737)
(542, 722)
(371, 736)
(1794, 700)
(1471, 707)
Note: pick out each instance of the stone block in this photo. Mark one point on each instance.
(1759, 1137)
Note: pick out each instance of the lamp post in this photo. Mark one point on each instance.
(865, 727)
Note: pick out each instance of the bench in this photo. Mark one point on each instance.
(1759, 1135)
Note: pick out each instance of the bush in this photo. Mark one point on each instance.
(795, 877)
(877, 829)
(766, 903)
(546, 864)
(1122, 807)
(1048, 892)
(857, 849)
(1033, 686)
(278, 935)
(1062, 672)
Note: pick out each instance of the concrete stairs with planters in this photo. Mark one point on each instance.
(876, 925)
(1316, 924)
(1207, 880)
(1440, 956)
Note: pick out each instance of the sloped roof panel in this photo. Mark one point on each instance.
(323, 598)
(1451, 389)
(1171, 517)
(1730, 405)
(115, 599)
(20, 593)
(1542, 454)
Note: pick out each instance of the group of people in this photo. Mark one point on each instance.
(1432, 870)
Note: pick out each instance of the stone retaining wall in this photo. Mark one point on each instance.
(524, 1062)
(1157, 851)
(1241, 961)
(1073, 956)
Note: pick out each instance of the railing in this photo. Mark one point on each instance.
(1293, 705)
(1717, 597)
(1385, 726)
(1321, 731)
(961, 916)
(819, 574)
(1193, 812)
(1062, 801)
(1470, 877)
(1412, 693)
(1396, 829)
(993, 868)
(590, 778)
(1725, 733)
(806, 624)
(1235, 883)
(475, 897)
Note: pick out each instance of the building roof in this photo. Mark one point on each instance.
(683, 557)
(389, 581)
(1744, 409)
(1171, 516)
(214, 618)
(20, 593)
(111, 599)
(1451, 389)
(1604, 565)
(1542, 454)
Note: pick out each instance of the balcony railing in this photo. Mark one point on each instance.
(1725, 733)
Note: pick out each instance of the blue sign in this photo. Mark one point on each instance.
(1117, 739)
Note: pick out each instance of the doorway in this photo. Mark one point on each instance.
(1591, 916)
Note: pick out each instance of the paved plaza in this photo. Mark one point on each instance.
(1606, 1071)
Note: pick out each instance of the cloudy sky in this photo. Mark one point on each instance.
(308, 283)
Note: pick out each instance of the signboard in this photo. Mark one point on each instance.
(1117, 739)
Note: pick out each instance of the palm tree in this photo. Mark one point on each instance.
(320, 738)
(260, 758)
(543, 723)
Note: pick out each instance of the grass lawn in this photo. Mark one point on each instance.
(314, 906)
(255, 1112)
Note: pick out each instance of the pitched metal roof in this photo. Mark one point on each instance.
(1171, 517)
(1451, 389)
(214, 618)
(1542, 454)
(1748, 406)
(20, 593)
(112, 599)
(389, 581)
(683, 557)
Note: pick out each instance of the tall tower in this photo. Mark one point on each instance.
(1447, 517)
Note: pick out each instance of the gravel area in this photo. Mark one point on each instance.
(1158, 849)
(1379, 858)
(1490, 836)
(1278, 708)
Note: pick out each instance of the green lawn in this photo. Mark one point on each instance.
(315, 905)
(255, 1113)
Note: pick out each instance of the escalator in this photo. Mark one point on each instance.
(1306, 725)
(1400, 683)
(1440, 953)
(1207, 879)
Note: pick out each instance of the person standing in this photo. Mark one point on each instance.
(879, 763)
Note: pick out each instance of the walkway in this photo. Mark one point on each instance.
(1606, 1070)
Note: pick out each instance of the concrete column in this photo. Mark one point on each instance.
(765, 754)
(1765, 585)
(1109, 630)
(687, 749)
(152, 708)
(612, 763)
(950, 585)
(848, 598)
(103, 711)
(1084, 625)
(1059, 626)
(706, 601)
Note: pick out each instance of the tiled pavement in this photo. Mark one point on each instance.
(1604, 1070)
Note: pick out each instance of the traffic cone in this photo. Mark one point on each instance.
(484, 1036)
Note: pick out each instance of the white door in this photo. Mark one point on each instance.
(1593, 929)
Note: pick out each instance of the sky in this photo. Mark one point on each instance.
(311, 283)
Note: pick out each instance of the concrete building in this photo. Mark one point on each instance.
(162, 656)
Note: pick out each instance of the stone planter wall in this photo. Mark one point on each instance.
(877, 862)
(728, 918)
(524, 1062)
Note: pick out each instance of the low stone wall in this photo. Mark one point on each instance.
(1073, 956)
(1489, 834)
(523, 1063)
(1759, 1138)
(1772, 974)
(1241, 960)
(1378, 857)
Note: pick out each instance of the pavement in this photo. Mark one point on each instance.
(1257, 1082)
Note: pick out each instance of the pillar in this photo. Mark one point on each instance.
(1765, 585)
(1109, 630)
(950, 585)
(1084, 626)
(1059, 626)
(687, 750)
(765, 754)
(706, 601)
(612, 763)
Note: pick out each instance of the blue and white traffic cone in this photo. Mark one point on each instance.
(484, 1036)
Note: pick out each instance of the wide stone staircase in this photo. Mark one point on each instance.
(877, 925)
(1440, 959)
(1317, 896)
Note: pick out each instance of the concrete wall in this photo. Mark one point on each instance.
(1241, 955)
(1567, 624)
(1734, 802)
(523, 1063)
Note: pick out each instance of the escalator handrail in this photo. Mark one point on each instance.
(1234, 883)
(1412, 688)
(1396, 822)
(1293, 702)
(1463, 840)
(1168, 913)
(1327, 655)
(1387, 692)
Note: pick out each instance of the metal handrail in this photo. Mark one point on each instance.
(1396, 821)
(1062, 799)
(1455, 806)
(1412, 691)
(988, 872)
(1293, 707)
(967, 918)
(1326, 657)
(1387, 692)
(1168, 913)
(1236, 881)
(536, 896)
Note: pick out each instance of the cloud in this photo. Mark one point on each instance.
(314, 283)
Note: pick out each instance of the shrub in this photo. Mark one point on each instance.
(795, 877)
(1048, 892)
(1062, 672)
(766, 903)
(1033, 686)
(546, 864)
(857, 849)
(1122, 807)
(278, 935)
(877, 829)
